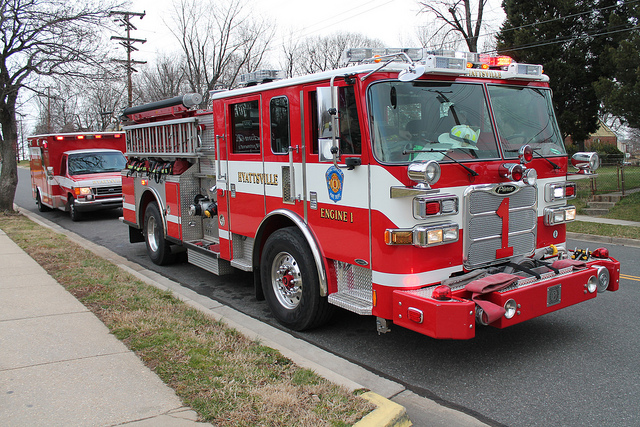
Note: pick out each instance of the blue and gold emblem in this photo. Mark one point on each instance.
(335, 178)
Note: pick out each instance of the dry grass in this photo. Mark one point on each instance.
(228, 379)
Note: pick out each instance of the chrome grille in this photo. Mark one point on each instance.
(483, 236)
(109, 191)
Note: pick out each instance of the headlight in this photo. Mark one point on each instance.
(555, 216)
(560, 191)
(425, 173)
(510, 308)
(423, 235)
(603, 278)
(530, 177)
(82, 191)
(585, 162)
(592, 284)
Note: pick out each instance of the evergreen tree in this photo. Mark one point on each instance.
(620, 92)
(567, 38)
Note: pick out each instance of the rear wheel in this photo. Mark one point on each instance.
(73, 210)
(41, 206)
(158, 248)
(290, 281)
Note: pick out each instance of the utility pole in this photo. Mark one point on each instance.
(124, 18)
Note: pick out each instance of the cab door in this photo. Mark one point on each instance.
(338, 194)
(245, 175)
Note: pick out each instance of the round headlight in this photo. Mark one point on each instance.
(592, 284)
(530, 177)
(510, 308)
(603, 278)
(424, 172)
(585, 162)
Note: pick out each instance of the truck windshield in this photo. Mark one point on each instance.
(424, 120)
(524, 115)
(85, 163)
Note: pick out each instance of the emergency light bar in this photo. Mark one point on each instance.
(260, 76)
(447, 61)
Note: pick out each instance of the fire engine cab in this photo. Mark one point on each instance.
(427, 189)
(77, 172)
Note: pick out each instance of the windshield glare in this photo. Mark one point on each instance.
(424, 120)
(80, 164)
(524, 115)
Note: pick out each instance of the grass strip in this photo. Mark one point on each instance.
(608, 230)
(226, 378)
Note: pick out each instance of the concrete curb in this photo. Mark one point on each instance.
(387, 414)
(325, 364)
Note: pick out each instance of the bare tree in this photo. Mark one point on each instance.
(219, 41)
(41, 38)
(102, 103)
(165, 79)
(324, 53)
(457, 18)
(290, 51)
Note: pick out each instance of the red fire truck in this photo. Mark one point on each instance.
(77, 172)
(427, 189)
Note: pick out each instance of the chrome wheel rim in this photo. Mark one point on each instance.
(152, 228)
(286, 279)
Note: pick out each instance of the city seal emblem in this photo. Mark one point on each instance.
(335, 179)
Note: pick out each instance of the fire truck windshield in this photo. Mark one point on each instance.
(524, 115)
(85, 163)
(421, 120)
(408, 119)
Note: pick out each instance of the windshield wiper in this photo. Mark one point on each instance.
(444, 153)
(535, 150)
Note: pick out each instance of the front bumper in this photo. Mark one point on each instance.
(455, 318)
(83, 205)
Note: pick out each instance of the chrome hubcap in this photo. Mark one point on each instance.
(286, 280)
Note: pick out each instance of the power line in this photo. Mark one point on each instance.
(549, 42)
(569, 16)
(568, 39)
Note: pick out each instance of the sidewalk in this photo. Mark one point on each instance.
(59, 365)
(599, 220)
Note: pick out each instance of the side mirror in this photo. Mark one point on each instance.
(324, 149)
(328, 127)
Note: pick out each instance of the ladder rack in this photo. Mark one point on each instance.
(170, 138)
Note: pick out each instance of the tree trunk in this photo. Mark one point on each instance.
(8, 144)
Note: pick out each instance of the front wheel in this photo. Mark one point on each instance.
(157, 247)
(290, 281)
(73, 210)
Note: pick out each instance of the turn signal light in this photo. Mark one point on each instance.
(511, 171)
(602, 253)
(442, 293)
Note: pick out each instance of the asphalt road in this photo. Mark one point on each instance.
(578, 366)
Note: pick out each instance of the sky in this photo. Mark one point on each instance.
(395, 22)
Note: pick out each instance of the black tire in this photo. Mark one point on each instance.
(158, 248)
(73, 210)
(41, 206)
(290, 281)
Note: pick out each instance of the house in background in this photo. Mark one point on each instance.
(604, 135)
